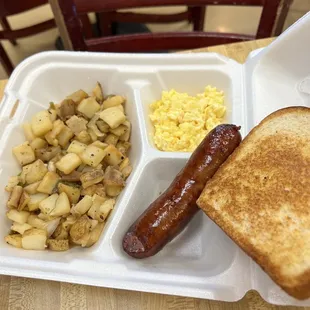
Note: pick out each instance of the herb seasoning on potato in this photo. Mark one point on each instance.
(73, 166)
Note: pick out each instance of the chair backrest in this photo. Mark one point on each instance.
(11, 7)
(72, 9)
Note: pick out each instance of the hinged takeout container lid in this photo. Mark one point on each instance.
(280, 73)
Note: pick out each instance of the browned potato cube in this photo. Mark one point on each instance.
(80, 229)
(76, 147)
(32, 188)
(95, 234)
(112, 101)
(41, 123)
(38, 143)
(68, 163)
(34, 239)
(23, 201)
(78, 96)
(113, 181)
(20, 228)
(62, 206)
(58, 245)
(105, 210)
(113, 117)
(125, 136)
(93, 212)
(14, 240)
(82, 206)
(119, 131)
(92, 156)
(15, 197)
(101, 208)
(64, 136)
(113, 156)
(91, 177)
(48, 204)
(48, 183)
(33, 172)
(17, 216)
(24, 153)
(72, 192)
(88, 107)
(36, 222)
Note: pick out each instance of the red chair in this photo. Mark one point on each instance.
(71, 11)
(194, 15)
(11, 7)
(286, 4)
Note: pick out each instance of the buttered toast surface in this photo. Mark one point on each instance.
(260, 197)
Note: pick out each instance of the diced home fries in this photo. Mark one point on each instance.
(74, 163)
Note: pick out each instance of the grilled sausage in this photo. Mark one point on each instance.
(167, 216)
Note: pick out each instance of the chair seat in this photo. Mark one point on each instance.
(156, 41)
(80, 40)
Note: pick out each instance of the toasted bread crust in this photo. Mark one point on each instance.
(260, 197)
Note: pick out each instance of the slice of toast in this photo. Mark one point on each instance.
(260, 197)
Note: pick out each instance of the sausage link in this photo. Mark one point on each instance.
(167, 216)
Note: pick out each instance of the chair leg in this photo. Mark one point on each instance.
(5, 61)
(286, 4)
(198, 17)
(105, 24)
(87, 28)
(6, 26)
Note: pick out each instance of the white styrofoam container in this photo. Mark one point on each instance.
(202, 261)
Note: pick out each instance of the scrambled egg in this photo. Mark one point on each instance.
(182, 121)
